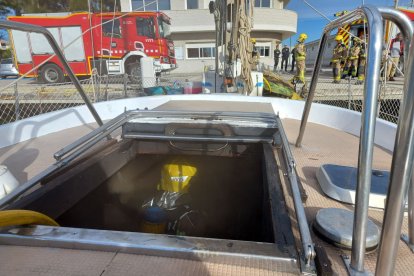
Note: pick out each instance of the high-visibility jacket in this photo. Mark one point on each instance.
(354, 51)
(300, 53)
(339, 52)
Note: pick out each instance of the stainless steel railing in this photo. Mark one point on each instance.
(404, 147)
(41, 30)
(308, 247)
(402, 160)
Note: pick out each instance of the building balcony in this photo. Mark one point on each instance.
(269, 20)
(275, 21)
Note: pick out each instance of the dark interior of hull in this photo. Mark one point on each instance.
(229, 194)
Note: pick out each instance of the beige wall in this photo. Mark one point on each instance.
(197, 26)
(270, 21)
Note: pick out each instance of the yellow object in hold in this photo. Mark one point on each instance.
(24, 217)
(253, 40)
(175, 177)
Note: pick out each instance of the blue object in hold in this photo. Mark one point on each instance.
(155, 214)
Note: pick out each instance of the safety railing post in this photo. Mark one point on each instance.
(403, 158)
(392, 222)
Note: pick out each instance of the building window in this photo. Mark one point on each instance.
(179, 53)
(200, 51)
(151, 5)
(262, 3)
(263, 49)
(192, 4)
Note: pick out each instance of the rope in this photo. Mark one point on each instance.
(72, 42)
(245, 46)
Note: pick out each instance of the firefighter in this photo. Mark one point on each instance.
(300, 57)
(352, 61)
(362, 62)
(276, 56)
(339, 54)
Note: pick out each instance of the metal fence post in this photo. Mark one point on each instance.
(106, 87)
(125, 86)
(98, 87)
(16, 103)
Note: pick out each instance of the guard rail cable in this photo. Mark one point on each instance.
(403, 155)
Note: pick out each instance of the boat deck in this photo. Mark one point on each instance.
(321, 145)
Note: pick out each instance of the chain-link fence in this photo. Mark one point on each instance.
(349, 94)
(27, 98)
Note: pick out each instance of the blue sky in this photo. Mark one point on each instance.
(312, 23)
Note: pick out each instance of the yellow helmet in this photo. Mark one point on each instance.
(176, 176)
(302, 37)
(253, 40)
(339, 38)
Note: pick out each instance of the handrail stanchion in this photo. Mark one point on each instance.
(41, 30)
(366, 144)
(314, 80)
(404, 25)
(401, 169)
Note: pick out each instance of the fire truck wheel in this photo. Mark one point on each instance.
(134, 72)
(51, 73)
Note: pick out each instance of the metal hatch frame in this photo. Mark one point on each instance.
(403, 155)
(281, 253)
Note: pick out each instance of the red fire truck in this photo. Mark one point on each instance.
(95, 41)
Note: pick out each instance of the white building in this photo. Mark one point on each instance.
(193, 29)
(312, 48)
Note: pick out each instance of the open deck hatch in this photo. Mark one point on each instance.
(234, 203)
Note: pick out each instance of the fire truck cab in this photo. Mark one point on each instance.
(107, 43)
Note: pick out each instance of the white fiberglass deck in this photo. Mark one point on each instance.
(321, 145)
